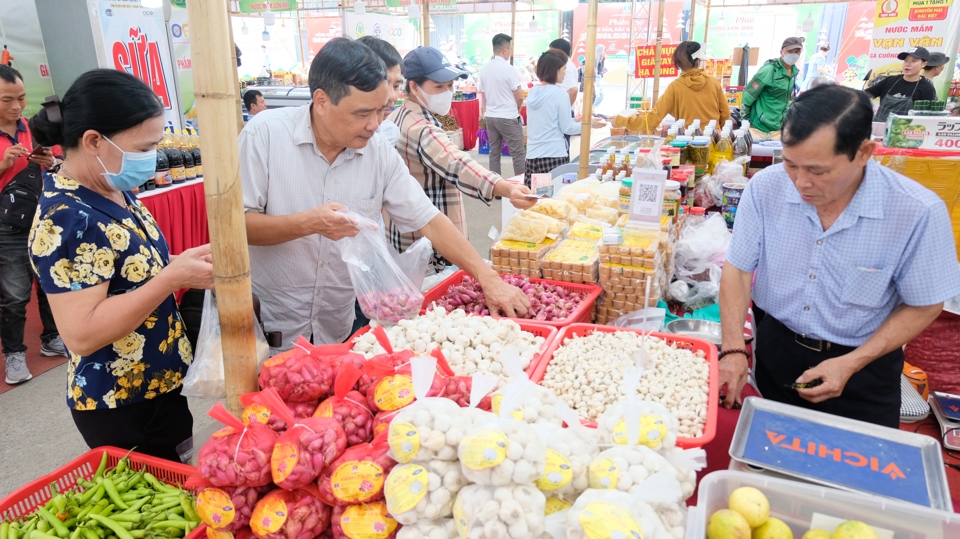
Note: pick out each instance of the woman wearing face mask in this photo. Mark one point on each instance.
(444, 170)
(694, 95)
(106, 269)
(767, 96)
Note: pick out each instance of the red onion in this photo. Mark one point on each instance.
(363, 521)
(349, 408)
(284, 514)
(358, 475)
(391, 307)
(226, 509)
(237, 455)
(296, 374)
(547, 301)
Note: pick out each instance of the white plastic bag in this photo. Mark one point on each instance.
(415, 260)
(610, 513)
(204, 378)
(384, 291)
(522, 399)
(502, 452)
(568, 460)
(701, 249)
(505, 512)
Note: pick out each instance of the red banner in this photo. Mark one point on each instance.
(321, 30)
(647, 60)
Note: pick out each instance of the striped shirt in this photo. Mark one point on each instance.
(892, 245)
(303, 285)
(443, 170)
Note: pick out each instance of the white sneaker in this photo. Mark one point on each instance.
(17, 371)
(54, 347)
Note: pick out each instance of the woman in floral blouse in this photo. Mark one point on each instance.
(107, 270)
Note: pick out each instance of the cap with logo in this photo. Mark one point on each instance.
(916, 52)
(432, 64)
(792, 43)
(937, 59)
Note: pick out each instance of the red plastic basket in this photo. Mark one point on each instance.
(680, 341)
(27, 498)
(537, 328)
(581, 315)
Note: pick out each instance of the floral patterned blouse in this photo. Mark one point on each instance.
(79, 240)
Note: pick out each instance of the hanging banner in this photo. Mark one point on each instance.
(183, 62)
(320, 30)
(135, 40)
(647, 60)
(259, 6)
(528, 43)
(398, 30)
(899, 26)
(435, 5)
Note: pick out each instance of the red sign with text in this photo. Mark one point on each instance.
(647, 60)
(141, 58)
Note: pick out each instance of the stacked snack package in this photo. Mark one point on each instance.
(522, 258)
(632, 273)
(576, 259)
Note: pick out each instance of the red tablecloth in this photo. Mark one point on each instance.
(467, 114)
(718, 451)
(181, 212)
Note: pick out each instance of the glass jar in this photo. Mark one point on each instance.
(626, 192)
(671, 198)
(699, 152)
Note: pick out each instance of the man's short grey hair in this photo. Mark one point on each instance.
(344, 63)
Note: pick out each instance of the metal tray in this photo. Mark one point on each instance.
(842, 453)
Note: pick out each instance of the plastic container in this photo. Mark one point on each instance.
(581, 315)
(548, 333)
(539, 368)
(671, 198)
(27, 498)
(796, 503)
(626, 192)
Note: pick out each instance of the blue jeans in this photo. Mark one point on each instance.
(16, 282)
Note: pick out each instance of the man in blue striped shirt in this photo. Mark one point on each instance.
(852, 261)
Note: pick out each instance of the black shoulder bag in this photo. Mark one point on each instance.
(19, 198)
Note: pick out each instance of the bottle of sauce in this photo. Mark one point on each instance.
(195, 151)
(162, 177)
(178, 171)
(187, 152)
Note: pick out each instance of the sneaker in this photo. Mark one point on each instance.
(17, 371)
(53, 347)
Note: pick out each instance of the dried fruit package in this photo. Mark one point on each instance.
(285, 514)
(348, 407)
(237, 455)
(296, 374)
(358, 475)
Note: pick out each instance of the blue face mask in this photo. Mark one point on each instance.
(135, 169)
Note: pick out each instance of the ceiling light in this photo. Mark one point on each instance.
(265, 35)
(269, 17)
(533, 23)
(243, 29)
(359, 7)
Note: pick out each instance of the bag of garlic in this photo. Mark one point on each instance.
(505, 512)
(632, 421)
(417, 492)
(522, 399)
(568, 461)
(555, 524)
(611, 513)
(502, 452)
(444, 528)
(628, 469)
(686, 463)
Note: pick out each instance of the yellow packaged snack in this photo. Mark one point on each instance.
(555, 227)
(523, 229)
(557, 209)
(603, 213)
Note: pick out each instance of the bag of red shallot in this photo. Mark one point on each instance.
(255, 412)
(348, 407)
(225, 509)
(381, 422)
(392, 388)
(457, 388)
(305, 448)
(363, 521)
(237, 455)
(336, 355)
(243, 533)
(296, 374)
(396, 358)
(290, 514)
(358, 475)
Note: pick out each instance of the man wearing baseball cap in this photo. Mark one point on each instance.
(444, 171)
(767, 96)
(898, 93)
(935, 65)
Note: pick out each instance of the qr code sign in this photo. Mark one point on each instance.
(646, 193)
(645, 198)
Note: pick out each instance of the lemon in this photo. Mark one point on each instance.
(727, 524)
(752, 504)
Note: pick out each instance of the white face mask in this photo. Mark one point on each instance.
(791, 59)
(437, 103)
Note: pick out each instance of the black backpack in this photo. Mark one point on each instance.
(19, 198)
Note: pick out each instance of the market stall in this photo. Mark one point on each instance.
(181, 212)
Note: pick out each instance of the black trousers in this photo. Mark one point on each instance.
(154, 427)
(871, 395)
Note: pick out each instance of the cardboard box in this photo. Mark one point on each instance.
(754, 56)
(923, 132)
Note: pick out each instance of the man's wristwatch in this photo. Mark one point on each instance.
(733, 351)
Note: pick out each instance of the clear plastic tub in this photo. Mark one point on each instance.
(797, 504)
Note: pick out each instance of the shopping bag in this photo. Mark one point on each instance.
(415, 260)
(384, 291)
(204, 378)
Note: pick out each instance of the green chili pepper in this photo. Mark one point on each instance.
(89, 495)
(35, 534)
(177, 524)
(103, 466)
(121, 532)
(187, 504)
(55, 524)
(113, 494)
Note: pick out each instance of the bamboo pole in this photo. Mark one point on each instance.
(657, 58)
(706, 25)
(691, 24)
(513, 26)
(426, 23)
(589, 79)
(215, 87)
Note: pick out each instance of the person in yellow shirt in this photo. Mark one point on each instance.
(694, 95)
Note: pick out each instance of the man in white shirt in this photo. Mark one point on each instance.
(569, 82)
(302, 167)
(500, 99)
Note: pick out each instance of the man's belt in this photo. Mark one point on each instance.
(817, 345)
